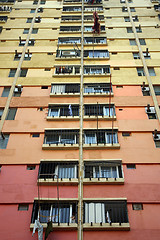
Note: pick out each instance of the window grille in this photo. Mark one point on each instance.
(61, 137)
(65, 88)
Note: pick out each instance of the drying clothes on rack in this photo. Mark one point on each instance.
(38, 225)
(49, 229)
(96, 27)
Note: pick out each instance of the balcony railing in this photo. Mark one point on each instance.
(5, 9)
(90, 28)
(99, 110)
(65, 89)
(101, 69)
(68, 40)
(68, 53)
(96, 53)
(63, 111)
(67, 70)
(92, 9)
(97, 88)
(98, 40)
(91, 2)
(90, 17)
(57, 212)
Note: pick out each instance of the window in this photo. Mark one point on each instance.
(124, 9)
(47, 69)
(35, 2)
(34, 30)
(44, 87)
(42, 2)
(98, 40)
(30, 42)
(146, 55)
(132, 42)
(126, 134)
(103, 169)
(129, 30)
(145, 90)
(26, 31)
(151, 112)
(135, 19)
(101, 88)
(100, 137)
(29, 20)
(137, 206)
(61, 137)
(35, 135)
(11, 114)
(136, 56)
(131, 166)
(96, 53)
(105, 212)
(5, 92)
(69, 40)
(23, 207)
(1, 113)
(138, 30)
(63, 111)
(99, 110)
(157, 90)
(32, 10)
(61, 169)
(116, 68)
(140, 71)
(31, 167)
(151, 71)
(132, 9)
(97, 69)
(18, 91)
(65, 88)
(3, 140)
(23, 72)
(126, 19)
(49, 210)
(142, 41)
(12, 73)
(122, 1)
(156, 137)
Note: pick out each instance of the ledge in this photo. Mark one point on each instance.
(99, 118)
(97, 94)
(102, 146)
(64, 94)
(67, 58)
(59, 146)
(64, 181)
(96, 58)
(118, 181)
(66, 75)
(62, 118)
(106, 227)
(72, 226)
(98, 75)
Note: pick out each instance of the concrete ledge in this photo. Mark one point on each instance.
(106, 227)
(59, 146)
(64, 181)
(102, 146)
(72, 226)
(117, 181)
(62, 118)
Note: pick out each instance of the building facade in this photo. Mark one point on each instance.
(80, 120)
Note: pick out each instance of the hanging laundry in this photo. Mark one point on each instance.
(108, 217)
(49, 229)
(70, 110)
(96, 28)
(38, 225)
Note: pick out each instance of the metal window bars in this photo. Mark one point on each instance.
(65, 137)
(70, 53)
(105, 212)
(92, 9)
(103, 169)
(48, 170)
(96, 53)
(98, 40)
(72, 9)
(71, 18)
(101, 69)
(5, 9)
(97, 88)
(90, 17)
(70, 28)
(69, 40)
(67, 70)
(49, 211)
(3, 18)
(99, 110)
(65, 88)
(63, 111)
(100, 136)
(90, 28)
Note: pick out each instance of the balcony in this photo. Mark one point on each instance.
(3, 19)
(71, 18)
(5, 9)
(72, 9)
(69, 53)
(100, 111)
(96, 54)
(67, 70)
(89, 29)
(90, 18)
(70, 29)
(157, 8)
(97, 70)
(106, 215)
(93, 2)
(69, 40)
(93, 9)
(95, 40)
(65, 90)
(61, 139)
(101, 138)
(103, 172)
(94, 89)
(67, 173)
(61, 112)
(63, 214)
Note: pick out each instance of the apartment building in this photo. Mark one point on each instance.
(80, 120)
